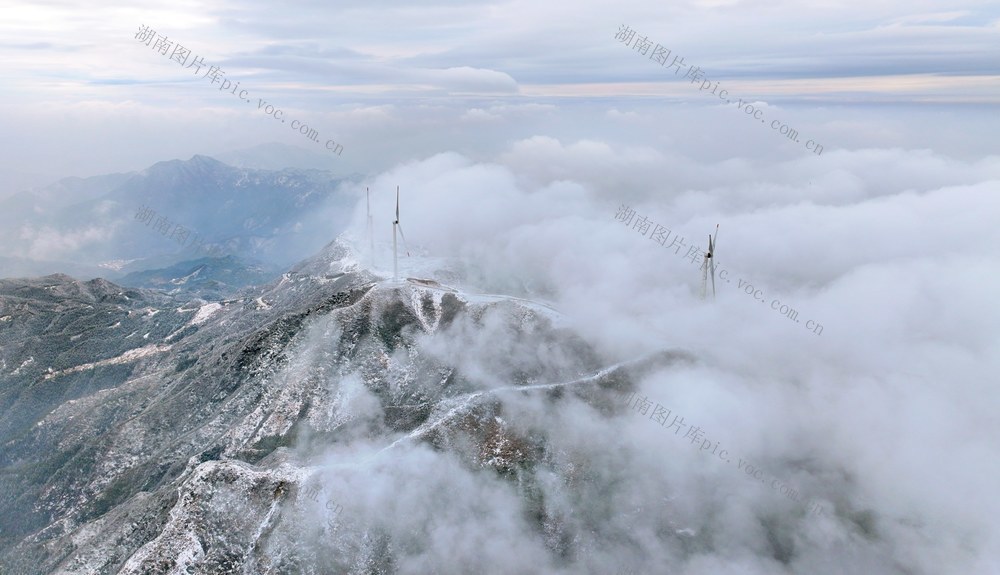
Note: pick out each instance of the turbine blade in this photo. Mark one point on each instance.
(405, 247)
(397, 203)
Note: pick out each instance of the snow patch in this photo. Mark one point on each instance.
(116, 265)
(127, 357)
(27, 362)
(204, 312)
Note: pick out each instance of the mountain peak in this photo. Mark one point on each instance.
(198, 164)
(199, 159)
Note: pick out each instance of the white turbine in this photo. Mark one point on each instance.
(396, 225)
(708, 264)
(371, 227)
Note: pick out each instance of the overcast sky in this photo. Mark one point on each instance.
(397, 81)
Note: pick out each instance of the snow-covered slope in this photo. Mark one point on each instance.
(196, 452)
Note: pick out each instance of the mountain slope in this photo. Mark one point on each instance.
(196, 452)
(209, 278)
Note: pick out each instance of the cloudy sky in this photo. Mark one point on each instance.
(399, 81)
(519, 130)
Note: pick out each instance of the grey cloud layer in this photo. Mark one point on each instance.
(898, 378)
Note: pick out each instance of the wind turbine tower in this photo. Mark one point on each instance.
(371, 227)
(708, 265)
(396, 226)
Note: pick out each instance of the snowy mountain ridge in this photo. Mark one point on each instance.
(183, 442)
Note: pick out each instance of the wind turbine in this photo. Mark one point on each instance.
(371, 227)
(709, 264)
(395, 226)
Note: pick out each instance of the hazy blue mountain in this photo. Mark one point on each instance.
(65, 192)
(13, 181)
(275, 217)
(18, 267)
(210, 278)
(29, 209)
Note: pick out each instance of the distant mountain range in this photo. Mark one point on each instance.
(93, 227)
(209, 278)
